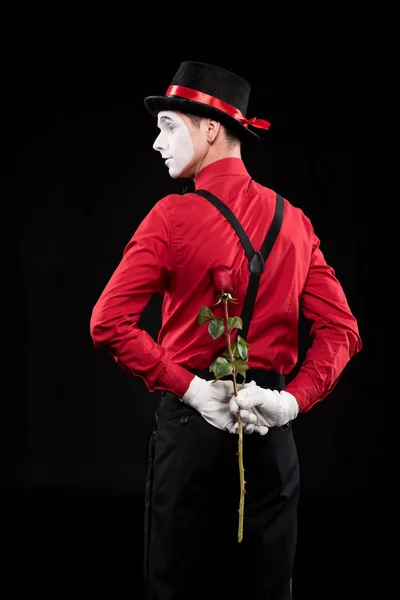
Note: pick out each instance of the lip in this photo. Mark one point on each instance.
(167, 159)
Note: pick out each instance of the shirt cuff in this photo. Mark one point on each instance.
(303, 388)
(176, 379)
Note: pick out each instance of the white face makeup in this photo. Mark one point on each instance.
(174, 142)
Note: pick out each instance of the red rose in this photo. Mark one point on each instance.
(223, 279)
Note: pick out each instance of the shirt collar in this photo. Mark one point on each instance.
(224, 166)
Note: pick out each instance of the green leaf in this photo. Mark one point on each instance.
(221, 367)
(235, 323)
(242, 350)
(216, 328)
(240, 366)
(234, 349)
(204, 315)
(243, 341)
(237, 350)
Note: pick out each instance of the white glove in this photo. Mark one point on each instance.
(272, 408)
(249, 417)
(211, 400)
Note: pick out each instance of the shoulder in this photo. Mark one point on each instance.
(171, 202)
(294, 214)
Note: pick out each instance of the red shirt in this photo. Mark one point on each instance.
(172, 253)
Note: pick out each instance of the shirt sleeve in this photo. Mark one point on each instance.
(145, 269)
(334, 333)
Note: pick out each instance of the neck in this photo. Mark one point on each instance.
(217, 153)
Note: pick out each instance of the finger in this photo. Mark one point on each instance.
(245, 415)
(233, 406)
(233, 428)
(244, 399)
(261, 429)
(248, 417)
(251, 383)
(249, 428)
(248, 399)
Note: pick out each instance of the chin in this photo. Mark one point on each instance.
(177, 174)
(186, 172)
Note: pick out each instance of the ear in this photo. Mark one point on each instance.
(212, 129)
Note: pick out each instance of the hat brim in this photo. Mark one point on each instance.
(155, 104)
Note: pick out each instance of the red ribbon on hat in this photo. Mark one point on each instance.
(190, 94)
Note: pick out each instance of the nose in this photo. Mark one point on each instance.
(159, 143)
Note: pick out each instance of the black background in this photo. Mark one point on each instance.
(80, 175)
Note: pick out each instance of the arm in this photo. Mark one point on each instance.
(334, 332)
(335, 339)
(145, 269)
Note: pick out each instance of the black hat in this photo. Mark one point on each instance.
(209, 91)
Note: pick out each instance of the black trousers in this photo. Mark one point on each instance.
(192, 493)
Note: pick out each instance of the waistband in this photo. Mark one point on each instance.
(263, 378)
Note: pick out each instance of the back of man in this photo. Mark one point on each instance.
(202, 240)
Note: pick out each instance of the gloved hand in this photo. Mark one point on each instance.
(249, 417)
(211, 400)
(272, 408)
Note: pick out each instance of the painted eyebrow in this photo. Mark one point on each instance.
(165, 118)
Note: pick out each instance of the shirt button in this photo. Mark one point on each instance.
(184, 419)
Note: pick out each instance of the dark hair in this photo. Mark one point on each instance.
(231, 138)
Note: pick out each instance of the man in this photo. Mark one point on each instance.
(192, 487)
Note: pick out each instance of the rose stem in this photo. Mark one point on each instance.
(240, 442)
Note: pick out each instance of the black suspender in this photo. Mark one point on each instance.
(256, 259)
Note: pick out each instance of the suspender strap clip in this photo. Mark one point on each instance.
(257, 264)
